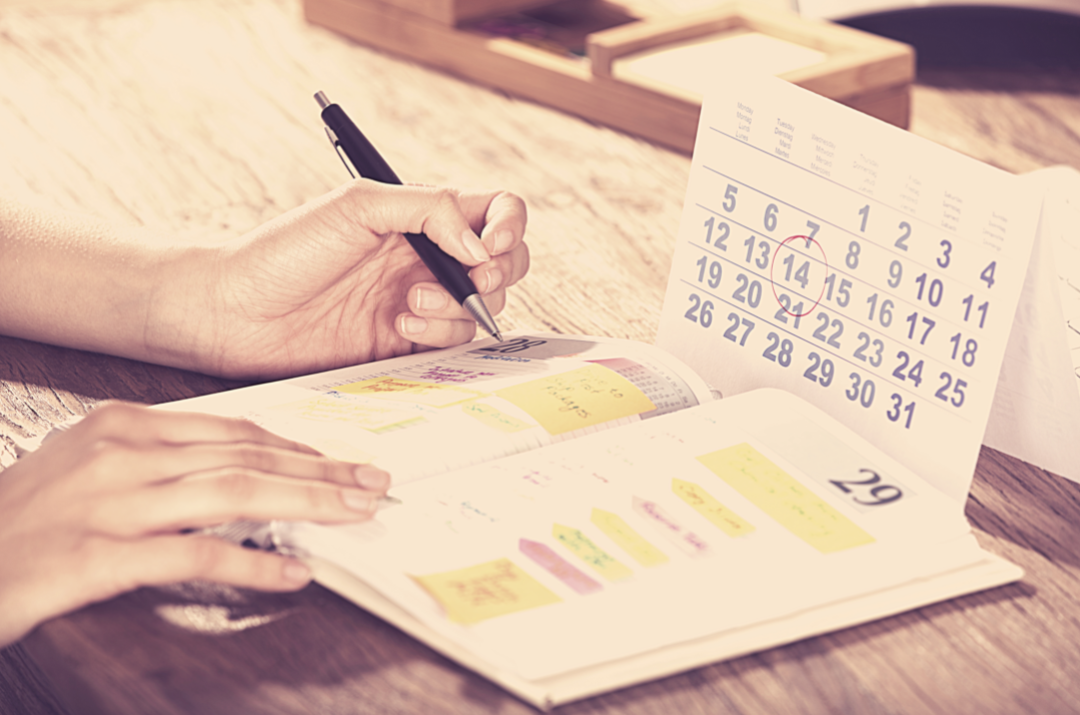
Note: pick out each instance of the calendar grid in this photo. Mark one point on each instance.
(899, 299)
(948, 324)
(838, 227)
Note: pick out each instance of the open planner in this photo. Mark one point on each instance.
(576, 514)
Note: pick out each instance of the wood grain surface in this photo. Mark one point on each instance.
(196, 117)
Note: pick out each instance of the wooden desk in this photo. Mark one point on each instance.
(197, 116)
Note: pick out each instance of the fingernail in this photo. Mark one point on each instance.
(372, 478)
(494, 280)
(296, 572)
(430, 299)
(475, 247)
(357, 500)
(503, 240)
(413, 325)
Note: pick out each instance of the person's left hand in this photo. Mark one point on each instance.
(104, 508)
(334, 283)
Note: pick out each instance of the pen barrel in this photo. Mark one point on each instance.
(356, 146)
(447, 270)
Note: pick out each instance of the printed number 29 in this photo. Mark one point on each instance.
(871, 487)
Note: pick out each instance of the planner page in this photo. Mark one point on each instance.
(867, 270)
(705, 521)
(423, 414)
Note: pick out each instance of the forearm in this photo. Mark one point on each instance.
(78, 282)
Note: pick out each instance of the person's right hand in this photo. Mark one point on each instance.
(102, 508)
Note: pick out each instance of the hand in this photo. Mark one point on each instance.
(99, 509)
(334, 282)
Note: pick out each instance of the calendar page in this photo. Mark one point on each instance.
(869, 271)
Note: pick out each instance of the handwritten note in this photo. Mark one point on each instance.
(493, 418)
(783, 498)
(477, 593)
(685, 540)
(432, 394)
(594, 557)
(580, 398)
(707, 505)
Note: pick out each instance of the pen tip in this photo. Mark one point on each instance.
(320, 97)
(475, 305)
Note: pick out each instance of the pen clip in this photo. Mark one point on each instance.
(337, 147)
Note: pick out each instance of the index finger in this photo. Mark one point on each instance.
(141, 425)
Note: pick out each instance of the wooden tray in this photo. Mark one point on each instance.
(584, 56)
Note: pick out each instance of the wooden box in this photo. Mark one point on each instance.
(454, 12)
(598, 59)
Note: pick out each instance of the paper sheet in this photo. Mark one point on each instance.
(424, 414)
(589, 551)
(1036, 411)
(869, 271)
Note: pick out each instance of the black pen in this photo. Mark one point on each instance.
(453, 276)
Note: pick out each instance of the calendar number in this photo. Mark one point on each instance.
(967, 356)
(762, 260)
(786, 310)
(843, 291)
(951, 391)
(933, 289)
(779, 350)
(749, 291)
(905, 234)
(851, 260)
(699, 311)
(729, 198)
(873, 358)
(716, 271)
(898, 410)
(801, 274)
(820, 370)
(884, 315)
(896, 272)
(861, 391)
(943, 259)
(871, 487)
(770, 217)
(927, 323)
(822, 333)
(903, 372)
(865, 213)
(716, 234)
(987, 274)
(982, 309)
(732, 333)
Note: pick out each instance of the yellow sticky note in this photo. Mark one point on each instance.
(584, 397)
(783, 498)
(596, 558)
(477, 593)
(433, 394)
(629, 540)
(705, 504)
(493, 418)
